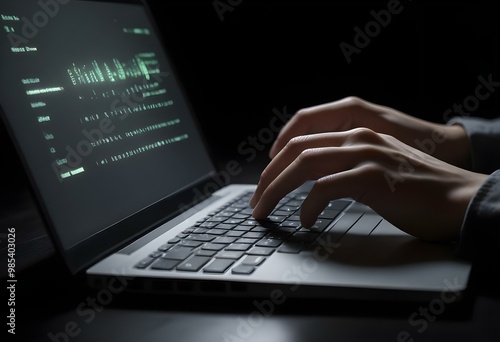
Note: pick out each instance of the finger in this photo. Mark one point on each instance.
(312, 164)
(297, 145)
(288, 154)
(358, 183)
(333, 116)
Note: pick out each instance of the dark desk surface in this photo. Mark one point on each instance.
(51, 305)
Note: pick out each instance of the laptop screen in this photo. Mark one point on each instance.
(96, 110)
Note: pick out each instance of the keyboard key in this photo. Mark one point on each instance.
(291, 247)
(174, 240)
(213, 246)
(303, 236)
(179, 253)
(235, 233)
(229, 255)
(243, 228)
(290, 224)
(217, 219)
(225, 226)
(200, 230)
(247, 240)
(241, 216)
(279, 234)
(261, 251)
(218, 266)
(269, 242)
(225, 239)
(329, 214)
(268, 224)
(253, 260)
(250, 222)
(190, 243)
(247, 211)
(165, 247)
(208, 224)
(289, 209)
(295, 202)
(193, 264)
(294, 218)
(215, 231)
(165, 264)
(238, 247)
(201, 237)
(260, 229)
(145, 262)
(254, 235)
(156, 254)
(242, 269)
(205, 252)
(234, 221)
(320, 225)
(277, 218)
(339, 204)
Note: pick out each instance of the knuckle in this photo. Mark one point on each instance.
(320, 191)
(323, 182)
(265, 175)
(375, 154)
(371, 170)
(308, 162)
(295, 145)
(363, 134)
(297, 141)
(306, 155)
(302, 114)
(354, 101)
(307, 159)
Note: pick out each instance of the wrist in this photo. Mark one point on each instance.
(455, 149)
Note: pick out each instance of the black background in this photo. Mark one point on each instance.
(263, 55)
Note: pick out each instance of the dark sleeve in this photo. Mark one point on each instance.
(480, 236)
(484, 135)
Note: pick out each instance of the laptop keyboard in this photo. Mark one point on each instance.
(230, 239)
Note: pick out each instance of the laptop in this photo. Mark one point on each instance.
(129, 190)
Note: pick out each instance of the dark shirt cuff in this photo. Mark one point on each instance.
(480, 235)
(484, 135)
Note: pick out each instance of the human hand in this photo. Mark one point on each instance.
(449, 143)
(418, 193)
